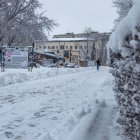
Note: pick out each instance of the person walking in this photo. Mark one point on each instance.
(98, 63)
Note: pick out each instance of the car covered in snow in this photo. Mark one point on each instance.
(70, 65)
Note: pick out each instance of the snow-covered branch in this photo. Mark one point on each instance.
(20, 23)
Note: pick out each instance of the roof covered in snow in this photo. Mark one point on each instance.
(68, 39)
(49, 53)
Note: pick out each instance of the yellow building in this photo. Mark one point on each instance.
(73, 49)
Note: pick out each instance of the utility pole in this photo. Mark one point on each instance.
(33, 45)
(31, 57)
(2, 61)
(70, 55)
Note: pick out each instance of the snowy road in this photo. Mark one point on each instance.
(100, 126)
(52, 108)
(97, 125)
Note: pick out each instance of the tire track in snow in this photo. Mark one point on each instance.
(99, 129)
(97, 125)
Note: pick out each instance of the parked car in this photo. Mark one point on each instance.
(70, 65)
(52, 65)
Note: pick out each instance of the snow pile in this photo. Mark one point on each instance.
(13, 76)
(127, 26)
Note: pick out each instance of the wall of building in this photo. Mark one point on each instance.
(61, 46)
(75, 46)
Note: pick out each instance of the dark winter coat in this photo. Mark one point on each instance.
(98, 62)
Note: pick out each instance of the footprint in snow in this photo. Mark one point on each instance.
(9, 134)
(32, 125)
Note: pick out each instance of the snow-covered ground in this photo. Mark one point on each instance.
(13, 76)
(57, 104)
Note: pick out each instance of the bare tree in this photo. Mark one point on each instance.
(86, 50)
(103, 49)
(95, 46)
(21, 24)
(123, 7)
(93, 52)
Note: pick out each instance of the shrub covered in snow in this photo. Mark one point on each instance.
(125, 46)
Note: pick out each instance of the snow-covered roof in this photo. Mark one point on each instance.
(67, 39)
(49, 54)
(2, 47)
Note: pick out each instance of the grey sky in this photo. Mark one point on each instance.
(75, 15)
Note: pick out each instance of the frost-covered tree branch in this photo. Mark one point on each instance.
(87, 49)
(21, 24)
(123, 7)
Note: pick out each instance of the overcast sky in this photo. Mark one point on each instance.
(75, 15)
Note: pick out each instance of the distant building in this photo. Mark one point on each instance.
(72, 46)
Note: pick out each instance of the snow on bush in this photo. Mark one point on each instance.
(125, 46)
(127, 26)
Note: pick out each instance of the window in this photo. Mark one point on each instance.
(66, 54)
(56, 47)
(53, 47)
(44, 47)
(76, 47)
(71, 47)
(62, 47)
(48, 47)
(40, 47)
(51, 52)
(66, 47)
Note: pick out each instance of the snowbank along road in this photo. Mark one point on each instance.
(68, 105)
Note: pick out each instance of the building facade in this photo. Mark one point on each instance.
(76, 47)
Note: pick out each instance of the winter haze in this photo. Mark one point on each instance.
(75, 15)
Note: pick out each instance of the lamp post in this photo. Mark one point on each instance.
(2, 61)
(57, 63)
(33, 46)
(70, 55)
(31, 57)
